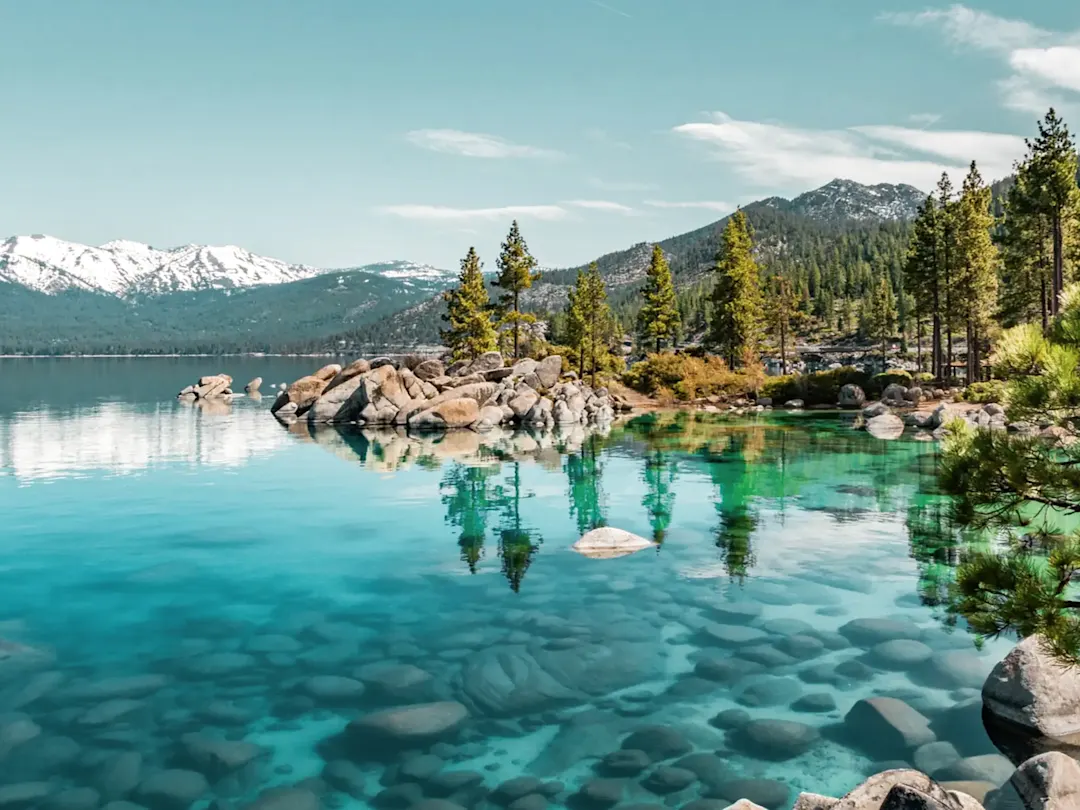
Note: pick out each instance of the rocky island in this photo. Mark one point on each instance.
(425, 395)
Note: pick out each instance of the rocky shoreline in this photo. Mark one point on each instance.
(424, 395)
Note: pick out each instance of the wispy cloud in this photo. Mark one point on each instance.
(605, 185)
(924, 119)
(612, 9)
(475, 144)
(970, 27)
(1041, 63)
(442, 213)
(601, 205)
(706, 205)
(778, 156)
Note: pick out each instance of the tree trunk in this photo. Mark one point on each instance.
(969, 369)
(1043, 303)
(517, 325)
(918, 344)
(935, 349)
(658, 344)
(1059, 263)
(783, 348)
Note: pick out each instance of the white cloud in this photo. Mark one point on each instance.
(706, 205)
(442, 213)
(924, 119)
(475, 144)
(1058, 66)
(978, 29)
(601, 205)
(778, 156)
(1041, 63)
(995, 150)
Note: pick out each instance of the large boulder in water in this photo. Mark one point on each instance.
(453, 413)
(302, 393)
(885, 426)
(1031, 689)
(512, 680)
(506, 681)
(1049, 781)
(351, 371)
(336, 404)
(406, 727)
(607, 542)
(851, 396)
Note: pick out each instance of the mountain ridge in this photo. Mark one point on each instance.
(397, 302)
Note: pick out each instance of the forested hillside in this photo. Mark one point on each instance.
(831, 263)
(253, 319)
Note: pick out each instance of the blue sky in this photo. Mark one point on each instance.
(341, 132)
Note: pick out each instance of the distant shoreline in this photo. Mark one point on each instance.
(229, 354)
(152, 356)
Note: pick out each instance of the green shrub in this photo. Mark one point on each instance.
(688, 377)
(924, 378)
(984, 392)
(818, 388)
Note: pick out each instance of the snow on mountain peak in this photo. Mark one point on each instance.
(124, 267)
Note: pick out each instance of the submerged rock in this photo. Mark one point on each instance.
(405, 727)
(607, 542)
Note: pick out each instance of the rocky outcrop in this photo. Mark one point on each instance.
(479, 394)
(215, 386)
(253, 386)
(299, 397)
(1049, 781)
(1031, 690)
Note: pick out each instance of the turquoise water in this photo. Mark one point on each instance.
(197, 602)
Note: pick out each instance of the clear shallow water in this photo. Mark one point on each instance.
(238, 564)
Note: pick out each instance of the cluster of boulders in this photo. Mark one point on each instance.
(214, 386)
(422, 394)
(1049, 781)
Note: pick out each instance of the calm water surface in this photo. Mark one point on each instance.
(197, 593)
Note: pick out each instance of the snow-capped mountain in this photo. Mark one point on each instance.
(847, 200)
(408, 270)
(123, 268)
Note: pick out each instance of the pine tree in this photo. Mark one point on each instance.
(977, 261)
(1052, 160)
(516, 266)
(471, 332)
(658, 319)
(736, 302)
(947, 257)
(879, 315)
(590, 322)
(782, 313)
(1026, 249)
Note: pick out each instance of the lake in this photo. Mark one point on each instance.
(200, 605)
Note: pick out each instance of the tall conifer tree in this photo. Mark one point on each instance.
(590, 322)
(737, 315)
(1053, 164)
(516, 266)
(658, 319)
(471, 332)
(977, 260)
